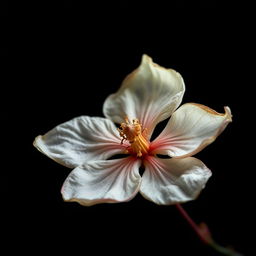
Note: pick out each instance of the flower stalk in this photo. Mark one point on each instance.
(204, 234)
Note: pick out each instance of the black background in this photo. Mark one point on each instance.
(68, 59)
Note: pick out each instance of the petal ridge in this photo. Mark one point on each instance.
(81, 139)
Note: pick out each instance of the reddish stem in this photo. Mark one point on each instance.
(206, 237)
(204, 234)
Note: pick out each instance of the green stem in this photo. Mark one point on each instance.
(224, 250)
(204, 234)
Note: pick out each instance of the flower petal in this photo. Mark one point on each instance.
(191, 128)
(151, 93)
(103, 181)
(79, 140)
(170, 181)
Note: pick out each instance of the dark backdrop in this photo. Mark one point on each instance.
(69, 58)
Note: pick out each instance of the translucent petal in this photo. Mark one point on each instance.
(191, 128)
(150, 93)
(170, 181)
(103, 181)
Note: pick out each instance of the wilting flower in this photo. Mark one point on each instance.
(147, 96)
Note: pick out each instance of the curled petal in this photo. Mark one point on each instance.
(191, 128)
(79, 140)
(151, 93)
(171, 181)
(103, 181)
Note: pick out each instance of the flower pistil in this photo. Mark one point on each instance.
(136, 135)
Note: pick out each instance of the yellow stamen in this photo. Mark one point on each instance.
(133, 132)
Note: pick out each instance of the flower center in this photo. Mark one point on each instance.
(133, 132)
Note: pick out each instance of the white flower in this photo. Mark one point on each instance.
(147, 96)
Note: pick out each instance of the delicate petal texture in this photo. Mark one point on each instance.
(79, 140)
(150, 93)
(170, 181)
(191, 128)
(103, 181)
